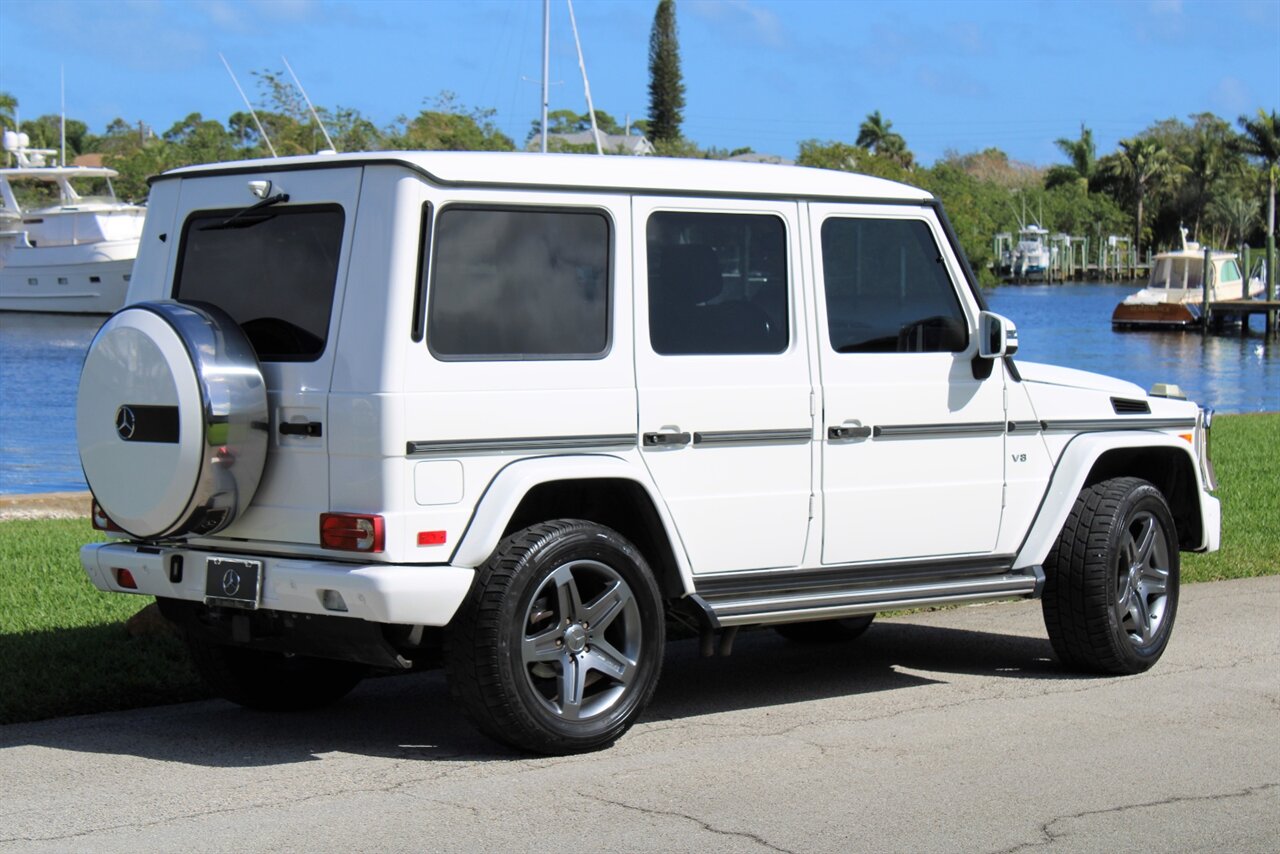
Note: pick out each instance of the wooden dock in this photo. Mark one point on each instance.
(1221, 309)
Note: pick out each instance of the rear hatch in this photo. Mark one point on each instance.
(271, 250)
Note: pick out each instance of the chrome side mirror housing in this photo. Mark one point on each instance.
(997, 336)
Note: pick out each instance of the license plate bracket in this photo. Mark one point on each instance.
(232, 582)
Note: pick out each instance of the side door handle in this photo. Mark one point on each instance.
(666, 440)
(849, 432)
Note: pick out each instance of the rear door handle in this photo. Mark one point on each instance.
(666, 440)
(301, 428)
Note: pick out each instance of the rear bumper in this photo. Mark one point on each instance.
(379, 593)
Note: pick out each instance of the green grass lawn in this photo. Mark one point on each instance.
(1246, 456)
(63, 645)
(64, 649)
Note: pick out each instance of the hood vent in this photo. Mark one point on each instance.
(1125, 406)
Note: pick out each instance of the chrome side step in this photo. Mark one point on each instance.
(739, 599)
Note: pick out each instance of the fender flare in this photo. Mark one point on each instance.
(1072, 470)
(510, 485)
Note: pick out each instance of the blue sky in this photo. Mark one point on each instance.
(758, 73)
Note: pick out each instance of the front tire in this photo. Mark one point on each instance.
(1112, 578)
(558, 646)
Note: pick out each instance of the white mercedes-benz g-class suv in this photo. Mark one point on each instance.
(368, 410)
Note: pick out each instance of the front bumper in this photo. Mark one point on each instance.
(379, 593)
(1211, 517)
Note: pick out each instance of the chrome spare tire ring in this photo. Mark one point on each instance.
(171, 420)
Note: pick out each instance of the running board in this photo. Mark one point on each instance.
(738, 599)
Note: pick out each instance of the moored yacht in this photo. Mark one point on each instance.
(73, 256)
(1174, 295)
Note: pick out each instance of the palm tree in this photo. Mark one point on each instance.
(1236, 213)
(874, 135)
(8, 111)
(873, 131)
(1210, 159)
(1082, 153)
(1145, 165)
(1261, 139)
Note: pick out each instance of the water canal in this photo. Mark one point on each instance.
(40, 357)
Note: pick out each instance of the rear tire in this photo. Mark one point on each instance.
(272, 681)
(1112, 578)
(558, 646)
(827, 631)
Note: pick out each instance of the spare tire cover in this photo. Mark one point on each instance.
(171, 420)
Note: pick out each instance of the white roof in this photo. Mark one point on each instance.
(53, 173)
(589, 172)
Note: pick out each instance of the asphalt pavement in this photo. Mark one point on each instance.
(947, 731)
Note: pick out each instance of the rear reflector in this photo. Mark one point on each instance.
(431, 538)
(125, 579)
(351, 532)
(100, 519)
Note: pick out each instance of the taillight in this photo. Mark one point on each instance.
(125, 579)
(102, 521)
(351, 532)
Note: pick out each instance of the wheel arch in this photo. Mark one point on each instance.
(601, 489)
(1165, 461)
(1171, 472)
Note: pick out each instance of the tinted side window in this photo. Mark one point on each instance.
(273, 271)
(517, 284)
(888, 290)
(717, 283)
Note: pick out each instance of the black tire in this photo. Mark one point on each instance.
(272, 681)
(523, 659)
(1111, 580)
(826, 631)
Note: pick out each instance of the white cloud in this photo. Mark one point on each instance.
(1164, 20)
(1230, 97)
(744, 18)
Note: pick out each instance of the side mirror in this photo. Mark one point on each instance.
(997, 336)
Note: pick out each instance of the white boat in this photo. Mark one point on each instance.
(1032, 256)
(1174, 295)
(75, 256)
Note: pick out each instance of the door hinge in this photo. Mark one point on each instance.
(1004, 496)
(810, 506)
(813, 404)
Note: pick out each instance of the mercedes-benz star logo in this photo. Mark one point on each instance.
(126, 423)
(231, 582)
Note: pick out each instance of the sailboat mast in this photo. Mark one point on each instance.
(62, 83)
(586, 87)
(252, 112)
(546, 66)
(314, 115)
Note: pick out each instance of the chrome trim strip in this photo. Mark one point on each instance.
(828, 605)
(753, 437)
(971, 428)
(1024, 426)
(1127, 423)
(542, 443)
(788, 582)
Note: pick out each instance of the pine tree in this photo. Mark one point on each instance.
(666, 89)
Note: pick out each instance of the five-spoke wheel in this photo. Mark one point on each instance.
(582, 639)
(1142, 578)
(558, 647)
(1111, 580)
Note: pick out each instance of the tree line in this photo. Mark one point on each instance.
(1215, 178)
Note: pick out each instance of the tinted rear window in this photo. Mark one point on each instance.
(274, 271)
(519, 284)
